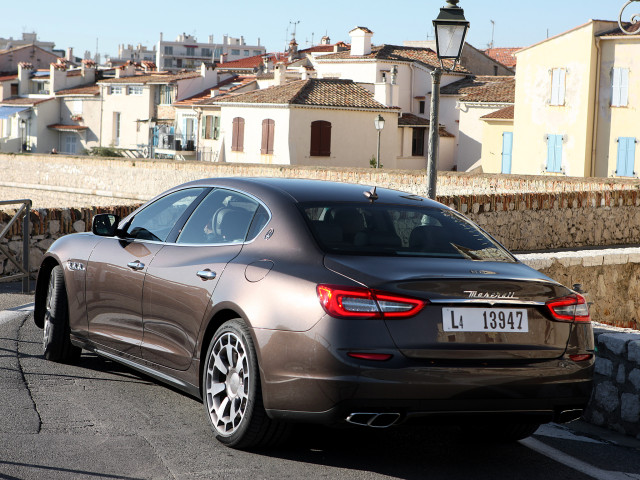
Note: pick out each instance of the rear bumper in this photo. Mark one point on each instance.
(312, 379)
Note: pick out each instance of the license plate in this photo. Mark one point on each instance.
(485, 320)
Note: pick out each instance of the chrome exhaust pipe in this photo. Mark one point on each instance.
(373, 420)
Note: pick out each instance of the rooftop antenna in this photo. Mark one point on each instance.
(493, 30)
(295, 25)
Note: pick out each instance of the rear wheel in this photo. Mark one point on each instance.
(56, 342)
(232, 393)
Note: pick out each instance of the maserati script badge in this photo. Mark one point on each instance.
(494, 295)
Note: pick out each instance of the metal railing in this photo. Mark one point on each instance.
(24, 211)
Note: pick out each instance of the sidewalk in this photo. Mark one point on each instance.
(11, 295)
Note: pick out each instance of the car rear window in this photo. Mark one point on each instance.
(399, 230)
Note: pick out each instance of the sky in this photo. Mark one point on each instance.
(80, 24)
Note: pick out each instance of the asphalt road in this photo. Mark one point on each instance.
(98, 420)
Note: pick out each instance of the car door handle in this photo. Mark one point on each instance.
(137, 265)
(206, 274)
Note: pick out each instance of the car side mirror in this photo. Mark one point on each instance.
(105, 225)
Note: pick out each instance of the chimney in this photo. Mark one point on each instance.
(57, 76)
(69, 55)
(88, 71)
(279, 77)
(360, 41)
(210, 38)
(25, 70)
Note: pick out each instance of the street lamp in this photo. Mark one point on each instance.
(379, 123)
(451, 30)
(634, 19)
(23, 128)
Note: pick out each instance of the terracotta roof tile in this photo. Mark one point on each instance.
(6, 76)
(93, 90)
(503, 55)
(396, 53)
(67, 128)
(252, 62)
(29, 102)
(483, 88)
(616, 32)
(316, 92)
(506, 113)
(411, 120)
(152, 78)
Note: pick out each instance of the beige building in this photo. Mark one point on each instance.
(138, 112)
(327, 122)
(577, 101)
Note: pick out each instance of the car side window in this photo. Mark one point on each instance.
(156, 220)
(223, 217)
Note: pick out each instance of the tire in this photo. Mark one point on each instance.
(231, 391)
(56, 342)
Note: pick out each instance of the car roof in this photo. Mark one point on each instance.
(305, 190)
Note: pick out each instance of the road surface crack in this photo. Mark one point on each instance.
(19, 355)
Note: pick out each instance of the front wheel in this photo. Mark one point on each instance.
(231, 390)
(56, 344)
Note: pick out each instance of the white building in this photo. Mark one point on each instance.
(187, 53)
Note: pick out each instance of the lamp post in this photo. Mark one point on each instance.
(379, 123)
(23, 128)
(451, 30)
(634, 19)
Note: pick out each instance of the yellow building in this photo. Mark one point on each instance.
(576, 106)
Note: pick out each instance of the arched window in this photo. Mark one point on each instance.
(320, 139)
(267, 136)
(237, 139)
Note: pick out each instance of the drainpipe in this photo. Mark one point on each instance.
(596, 112)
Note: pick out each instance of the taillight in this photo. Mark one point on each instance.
(357, 302)
(573, 308)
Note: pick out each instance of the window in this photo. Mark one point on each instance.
(625, 166)
(116, 128)
(115, 90)
(320, 139)
(40, 88)
(558, 86)
(14, 89)
(237, 138)
(135, 90)
(191, 51)
(205, 52)
(179, 63)
(417, 141)
(235, 51)
(211, 127)
(554, 153)
(168, 62)
(223, 217)
(620, 87)
(421, 106)
(168, 50)
(246, 53)
(217, 52)
(166, 94)
(76, 107)
(156, 221)
(268, 126)
(398, 231)
(70, 143)
(257, 52)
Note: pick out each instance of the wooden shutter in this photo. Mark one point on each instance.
(620, 87)
(626, 157)
(558, 82)
(237, 143)
(554, 153)
(320, 139)
(267, 137)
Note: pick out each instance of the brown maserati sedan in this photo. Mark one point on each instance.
(284, 300)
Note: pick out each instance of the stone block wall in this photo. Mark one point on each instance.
(615, 401)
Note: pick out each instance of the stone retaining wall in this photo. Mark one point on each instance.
(522, 212)
(615, 402)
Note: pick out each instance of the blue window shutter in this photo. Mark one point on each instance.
(554, 153)
(507, 149)
(558, 163)
(624, 87)
(625, 164)
(615, 87)
(551, 151)
(631, 156)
